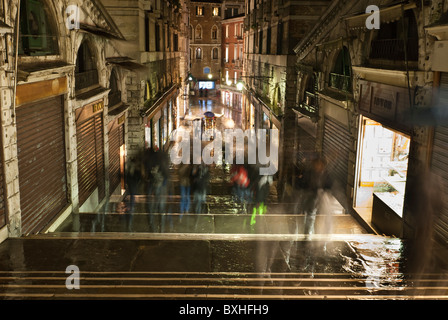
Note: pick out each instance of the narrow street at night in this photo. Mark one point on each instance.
(237, 151)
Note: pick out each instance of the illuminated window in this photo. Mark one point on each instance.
(198, 53)
(199, 11)
(215, 11)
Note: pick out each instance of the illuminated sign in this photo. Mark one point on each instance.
(206, 85)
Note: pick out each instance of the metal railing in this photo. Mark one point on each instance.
(309, 104)
(86, 79)
(114, 98)
(341, 82)
(394, 49)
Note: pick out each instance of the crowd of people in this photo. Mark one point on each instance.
(149, 173)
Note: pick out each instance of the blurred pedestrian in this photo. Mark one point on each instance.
(133, 178)
(261, 195)
(185, 188)
(200, 180)
(240, 179)
(314, 182)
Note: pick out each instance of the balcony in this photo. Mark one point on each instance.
(309, 106)
(86, 79)
(114, 98)
(394, 49)
(341, 82)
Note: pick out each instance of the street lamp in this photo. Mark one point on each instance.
(240, 86)
(210, 75)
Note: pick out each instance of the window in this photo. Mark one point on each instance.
(86, 74)
(114, 93)
(37, 31)
(198, 53)
(198, 33)
(214, 33)
(340, 77)
(199, 11)
(216, 11)
(215, 53)
(227, 54)
(227, 31)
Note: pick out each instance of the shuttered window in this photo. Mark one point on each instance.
(42, 169)
(90, 157)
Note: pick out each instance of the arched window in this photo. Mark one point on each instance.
(214, 33)
(86, 74)
(114, 93)
(198, 53)
(340, 77)
(198, 32)
(38, 35)
(215, 53)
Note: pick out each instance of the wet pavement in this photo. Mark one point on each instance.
(218, 254)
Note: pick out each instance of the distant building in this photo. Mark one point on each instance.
(206, 40)
(232, 51)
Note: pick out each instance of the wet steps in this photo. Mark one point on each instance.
(217, 285)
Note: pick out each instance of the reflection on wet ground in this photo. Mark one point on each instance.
(222, 253)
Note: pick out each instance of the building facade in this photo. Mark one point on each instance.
(232, 50)
(157, 38)
(365, 101)
(272, 29)
(60, 97)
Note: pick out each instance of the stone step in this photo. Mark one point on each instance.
(220, 285)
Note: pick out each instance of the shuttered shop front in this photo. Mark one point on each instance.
(440, 161)
(90, 145)
(116, 140)
(336, 150)
(42, 169)
(2, 193)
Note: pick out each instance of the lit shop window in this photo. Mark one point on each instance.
(383, 167)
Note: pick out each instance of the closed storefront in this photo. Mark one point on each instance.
(90, 150)
(336, 149)
(2, 196)
(116, 154)
(42, 169)
(439, 162)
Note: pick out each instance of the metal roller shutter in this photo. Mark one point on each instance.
(42, 169)
(336, 149)
(439, 163)
(2, 193)
(90, 157)
(439, 167)
(116, 140)
(307, 146)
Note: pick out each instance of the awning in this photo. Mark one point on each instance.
(126, 63)
(387, 15)
(99, 31)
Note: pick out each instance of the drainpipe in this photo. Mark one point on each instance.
(17, 35)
